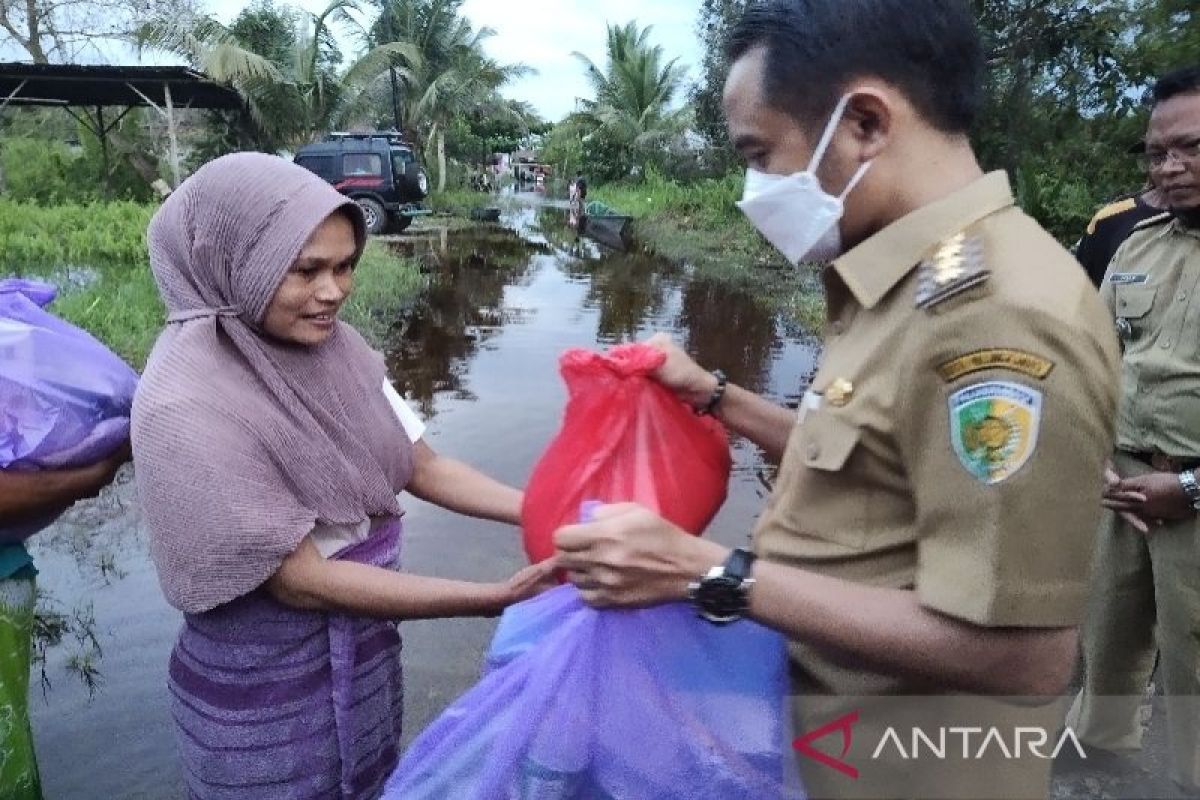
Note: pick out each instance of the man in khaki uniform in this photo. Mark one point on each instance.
(1147, 589)
(931, 529)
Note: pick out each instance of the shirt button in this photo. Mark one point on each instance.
(814, 451)
(1182, 296)
(1166, 345)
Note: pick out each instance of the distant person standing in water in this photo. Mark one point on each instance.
(578, 191)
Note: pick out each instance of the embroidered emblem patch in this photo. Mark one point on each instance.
(994, 428)
(996, 358)
(1127, 278)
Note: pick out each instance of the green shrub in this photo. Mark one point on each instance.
(39, 171)
(97, 254)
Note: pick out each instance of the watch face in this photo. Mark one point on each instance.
(721, 599)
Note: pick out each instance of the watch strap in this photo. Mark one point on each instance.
(1187, 480)
(739, 563)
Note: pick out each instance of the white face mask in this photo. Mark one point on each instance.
(793, 212)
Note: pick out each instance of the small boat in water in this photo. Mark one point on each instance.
(485, 214)
(606, 226)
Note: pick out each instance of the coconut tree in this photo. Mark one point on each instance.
(452, 77)
(470, 86)
(634, 91)
(291, 101)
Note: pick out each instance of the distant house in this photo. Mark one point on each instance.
(527, 166)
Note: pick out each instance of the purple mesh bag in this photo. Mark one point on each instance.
(65, 398)
(580, 704)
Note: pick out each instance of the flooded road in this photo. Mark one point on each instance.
(477, 357)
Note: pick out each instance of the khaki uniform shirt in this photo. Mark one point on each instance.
(1152, 290)
(954, 438)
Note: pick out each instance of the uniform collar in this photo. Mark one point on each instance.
(875, 267)
(1177, 225)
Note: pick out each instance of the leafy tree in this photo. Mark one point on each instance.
(717, 18)
(452, 78)
(1167, 37)
(1063, 104)
(289, 101)
(68, 31)
(632, 111)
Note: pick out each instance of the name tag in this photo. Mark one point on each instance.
(811, 401)
(1127, 278)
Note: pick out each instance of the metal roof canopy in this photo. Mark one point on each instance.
(95, 87)
(78, 85)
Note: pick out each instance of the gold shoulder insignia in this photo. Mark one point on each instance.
(1111, 210)
(1157, 219)
(955, 266)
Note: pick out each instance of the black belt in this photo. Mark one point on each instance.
(1162, 462)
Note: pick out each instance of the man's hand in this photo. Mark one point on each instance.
(1124, 502)
(687, 379)
(1164, 498)
(630, 557)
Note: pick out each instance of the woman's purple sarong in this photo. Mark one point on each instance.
(274, 703)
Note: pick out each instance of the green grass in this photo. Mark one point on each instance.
(708, 201)
(38, 237)
(384, 285)
(122, 309)
(97, 255)
(457, 201)
(698, 224)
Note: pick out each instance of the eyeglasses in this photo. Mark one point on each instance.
(1182, 153)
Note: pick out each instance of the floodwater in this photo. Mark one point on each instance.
(477, 357)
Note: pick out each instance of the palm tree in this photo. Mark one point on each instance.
(453, 77)
(634, 91)
(469, 87)
(289, 102)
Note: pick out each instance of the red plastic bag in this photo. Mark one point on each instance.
(625, 438)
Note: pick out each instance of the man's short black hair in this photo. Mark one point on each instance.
(1181, 81)
(929, 49)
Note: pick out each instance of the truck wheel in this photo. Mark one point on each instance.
(375, 216)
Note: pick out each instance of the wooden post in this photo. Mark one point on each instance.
(102, 134)
(175, 181)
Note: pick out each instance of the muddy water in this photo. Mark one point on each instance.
(477, 357)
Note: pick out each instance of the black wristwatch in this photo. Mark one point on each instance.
(722, 596)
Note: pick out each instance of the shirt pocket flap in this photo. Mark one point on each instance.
(829, 441)
(1134, 301)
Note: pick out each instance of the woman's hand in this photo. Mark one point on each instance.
(529, 582)
(308, 581)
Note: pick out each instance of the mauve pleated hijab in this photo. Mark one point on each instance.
(242, 443)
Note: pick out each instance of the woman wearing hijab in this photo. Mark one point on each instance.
(269, 449)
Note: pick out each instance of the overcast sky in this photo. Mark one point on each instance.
(543, 34)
